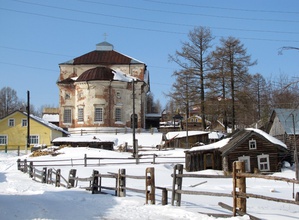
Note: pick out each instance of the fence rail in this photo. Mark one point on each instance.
(96, 186)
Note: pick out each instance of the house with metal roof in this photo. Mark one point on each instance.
(284, 125)
(101, 89)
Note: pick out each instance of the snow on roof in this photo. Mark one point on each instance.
(215, 135)
(47, 123)
(86, 139)
(121, 76)
(268, 137)
(214, 145)
(180, 134)
(144, 139)
(51, 117)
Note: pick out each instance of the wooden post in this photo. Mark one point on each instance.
(31, 169)
(57, 181)
(72, 175)
(177, 184)
(49, 177)
(25, 169)
(164, 196)
(154, 158)
(150, 185)
(18, 150)
(19, 164)
(44, 175)
(6, 148)
(121, 188)
(239, 185)
(85, 160)
(95, 182)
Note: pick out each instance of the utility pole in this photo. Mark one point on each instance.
(135, 146)
(295, 149)
(28, 121)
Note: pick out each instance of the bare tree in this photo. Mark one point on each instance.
(9, 101)
(235, 62)
(193, 60)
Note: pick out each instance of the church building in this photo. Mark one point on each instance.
(96, 91)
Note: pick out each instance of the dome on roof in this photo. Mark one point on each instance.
(98, 73)
(104, 46)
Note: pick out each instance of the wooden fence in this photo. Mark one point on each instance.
(6, 149)
(52, 176)
(239, 194)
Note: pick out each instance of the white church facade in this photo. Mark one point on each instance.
(96, 91)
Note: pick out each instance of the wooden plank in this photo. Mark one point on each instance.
(198, 184)
(225, 206)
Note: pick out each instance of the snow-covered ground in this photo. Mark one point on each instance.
(24, 198)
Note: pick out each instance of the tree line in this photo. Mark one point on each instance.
(216, 81)
(10, 102)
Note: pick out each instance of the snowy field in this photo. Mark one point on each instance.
(24, 198)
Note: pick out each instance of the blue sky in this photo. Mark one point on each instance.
(38, 35)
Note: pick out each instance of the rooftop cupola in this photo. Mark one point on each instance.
(104, 46)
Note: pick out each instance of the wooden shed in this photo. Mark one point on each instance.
(179, 139)
(205, 157)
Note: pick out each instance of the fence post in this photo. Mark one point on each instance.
(95, 182)
(154, 158)
(121, 179)
(239, 183)
(44, 175)
(25, 166)
(164, 196)
(18, 150)
(72, 176)
(177, 184)
(57, 181)
(150, 185)
(31, 169)
(19, 164)
(49, 177)
(85, 160)
(6, 148)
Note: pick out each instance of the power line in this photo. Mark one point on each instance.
(188, 13)
(130, 27)
(223, 8)
(155, 22)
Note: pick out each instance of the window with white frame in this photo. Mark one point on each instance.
(11, 122)
(252, 144)
(263, 162)
(3, 139)
(80, 114)
(34, 139)
(67, 116)
(246, 160)
(98, 114)
(24, 123)
(117, 114)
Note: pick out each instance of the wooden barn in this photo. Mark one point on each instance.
(260, 151)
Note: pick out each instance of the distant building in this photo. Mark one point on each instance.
(51, 115)
(96, 90)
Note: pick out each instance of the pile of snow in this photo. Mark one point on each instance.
(24, 198)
